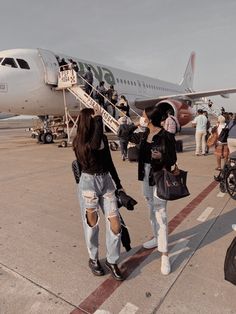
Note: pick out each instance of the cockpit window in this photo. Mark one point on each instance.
(10, 62)
(23, 64)
(1, 59)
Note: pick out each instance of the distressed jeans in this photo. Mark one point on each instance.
(158, 213)
(98, 191)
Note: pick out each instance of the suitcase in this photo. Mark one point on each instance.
(179, 146)
(133, 152)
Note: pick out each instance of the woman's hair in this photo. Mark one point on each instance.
(221, 119)
(81, 142)
(154, 115)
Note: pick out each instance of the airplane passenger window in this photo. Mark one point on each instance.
(128, 82)
(134, 84)
(1, 59)
(9, 62)
(117, 80)
(23, 64)
(124, 81)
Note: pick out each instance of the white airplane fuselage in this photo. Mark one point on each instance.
(31, 91)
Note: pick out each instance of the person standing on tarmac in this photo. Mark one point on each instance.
(200, 123)
(171, 123)
(96, 190)
(157, 151)
(88, 76)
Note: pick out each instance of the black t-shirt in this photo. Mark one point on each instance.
(147, 154)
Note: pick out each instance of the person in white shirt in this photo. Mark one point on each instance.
(200, 123)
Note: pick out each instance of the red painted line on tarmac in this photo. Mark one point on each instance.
(105, 290)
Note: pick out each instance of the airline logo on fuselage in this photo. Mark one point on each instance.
(100, 73)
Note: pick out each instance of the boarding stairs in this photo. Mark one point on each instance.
(74, 83)
(211, 109)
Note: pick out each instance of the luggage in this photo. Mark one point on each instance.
(179, 146)
(133, 153)
(230, 263)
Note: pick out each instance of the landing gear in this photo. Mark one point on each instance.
(47, 138)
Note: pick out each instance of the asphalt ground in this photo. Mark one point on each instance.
(43, 258)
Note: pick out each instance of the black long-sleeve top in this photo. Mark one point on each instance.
(101, 160)
(165, 142)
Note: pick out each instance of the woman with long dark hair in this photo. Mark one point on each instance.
(96, 189)
(157, 151)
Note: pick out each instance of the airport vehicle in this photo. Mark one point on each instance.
(29, 81)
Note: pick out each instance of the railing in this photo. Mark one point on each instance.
(70, 77)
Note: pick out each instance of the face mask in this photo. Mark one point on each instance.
(142, 122)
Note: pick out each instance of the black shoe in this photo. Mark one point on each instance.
(114, 270)
(96, 267)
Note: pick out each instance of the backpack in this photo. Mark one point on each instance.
(178, 126)
(223, 136)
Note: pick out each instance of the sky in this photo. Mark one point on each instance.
(150, 37)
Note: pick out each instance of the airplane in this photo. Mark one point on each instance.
(4, 115)
(29, 77)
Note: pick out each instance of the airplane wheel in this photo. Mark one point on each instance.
(40, 137)
(64, 144)
(47, 138)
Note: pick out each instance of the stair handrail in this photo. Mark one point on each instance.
(105, 98)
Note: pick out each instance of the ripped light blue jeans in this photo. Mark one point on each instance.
(98, 191)
(158, 213)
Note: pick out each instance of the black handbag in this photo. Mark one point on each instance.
(171, 185)
(223, 135)
(230, 263)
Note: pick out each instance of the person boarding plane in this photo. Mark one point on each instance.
(29, 81)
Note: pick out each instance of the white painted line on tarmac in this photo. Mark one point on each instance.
(129, 308)
(178, 249)
(220, 194)
(206, 213)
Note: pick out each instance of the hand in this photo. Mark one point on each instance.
(156, 154)
(121, 190)
(97, 111)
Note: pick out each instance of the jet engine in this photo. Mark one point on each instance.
(181, 109)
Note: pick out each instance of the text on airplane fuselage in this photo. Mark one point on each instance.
(100, 73)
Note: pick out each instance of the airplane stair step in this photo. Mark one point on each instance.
(89, 102)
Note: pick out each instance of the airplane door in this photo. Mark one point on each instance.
(51, 67)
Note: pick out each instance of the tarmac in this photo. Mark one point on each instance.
(43, 258)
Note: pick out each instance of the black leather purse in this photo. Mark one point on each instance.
(171, 185)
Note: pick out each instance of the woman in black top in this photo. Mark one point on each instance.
(157, 151)
(97, 190)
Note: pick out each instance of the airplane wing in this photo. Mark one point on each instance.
(142, 103)
(196, 95)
